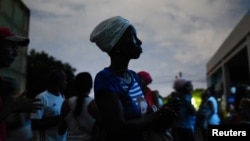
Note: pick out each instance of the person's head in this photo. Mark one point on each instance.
(183, 86)
(9, 42)
(205, 95)
(57, 79)
(145, 77)
(83, 82)
(117, 37)
(244, 108)
(244, 103)
(247, 92)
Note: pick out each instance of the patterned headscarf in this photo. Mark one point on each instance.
(107, 33)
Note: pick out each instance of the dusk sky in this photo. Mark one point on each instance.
(177, 35)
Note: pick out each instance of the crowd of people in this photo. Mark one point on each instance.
(124, 107)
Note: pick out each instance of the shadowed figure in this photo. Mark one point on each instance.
(78, 113)
(186, 115)
(9, 43)
(45, 121)
(124, 114)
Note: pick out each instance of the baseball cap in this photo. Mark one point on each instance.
(7, 34)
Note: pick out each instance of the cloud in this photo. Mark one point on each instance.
(178, 36)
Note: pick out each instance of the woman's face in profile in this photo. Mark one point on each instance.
(129, 44)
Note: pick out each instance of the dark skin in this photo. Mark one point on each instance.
(83, 84)
(20, 106)
(127, 48)
(49, 122)
(188, 105)
(205, 97)
(45, 123)
(8, 53)
(62, 126)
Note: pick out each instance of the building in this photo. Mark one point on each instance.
(230, 64)
(15, 15)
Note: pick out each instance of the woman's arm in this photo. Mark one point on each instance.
(23, 105)
(62, 126)
(92, 109)
(112, 116)
(5, 113)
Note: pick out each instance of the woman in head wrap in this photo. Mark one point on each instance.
(123, 110)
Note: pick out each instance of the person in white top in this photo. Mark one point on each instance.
(78, 113)
(213, 118)
(45, 121)
(208, 112)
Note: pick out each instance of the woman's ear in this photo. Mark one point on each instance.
(115, 50)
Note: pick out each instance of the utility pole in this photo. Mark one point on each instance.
(180, 74)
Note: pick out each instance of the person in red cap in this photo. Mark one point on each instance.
(9, 42)
(152, 96)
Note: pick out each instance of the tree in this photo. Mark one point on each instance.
(38, 66)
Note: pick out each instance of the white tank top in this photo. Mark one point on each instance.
(84, 120)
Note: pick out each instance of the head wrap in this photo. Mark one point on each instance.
(107, 33)
(145, 76)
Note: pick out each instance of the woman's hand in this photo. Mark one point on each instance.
(7, 86)
(167, 118)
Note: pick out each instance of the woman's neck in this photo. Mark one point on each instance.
(119, 64)
(122, 72)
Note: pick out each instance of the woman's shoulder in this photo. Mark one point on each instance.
(72, 99)
(132, 71)
(103, 72)
(134, 74)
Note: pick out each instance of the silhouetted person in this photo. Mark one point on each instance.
(45, 121)
(213, 117)
(186, 114)
(9, 42)
(244, 111)
(123, 110)
(78, 113)
(208, 112)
